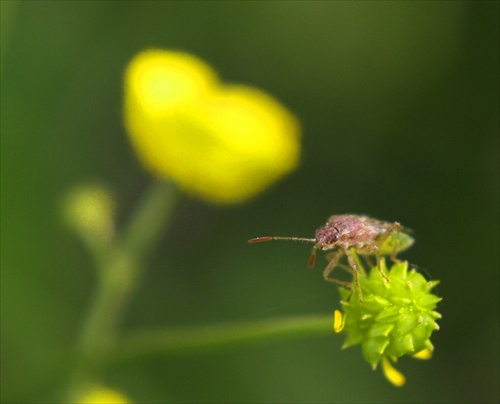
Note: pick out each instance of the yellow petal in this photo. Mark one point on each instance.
(391, 374)
(423, 354)
(158, 81)
(231, 145)
(338, 321)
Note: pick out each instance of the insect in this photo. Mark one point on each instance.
(350, 235)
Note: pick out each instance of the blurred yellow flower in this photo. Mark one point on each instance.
(103, 396)
(222, 143)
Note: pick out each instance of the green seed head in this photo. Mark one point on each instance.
(394, 319)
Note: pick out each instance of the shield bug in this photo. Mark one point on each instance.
(350, 235)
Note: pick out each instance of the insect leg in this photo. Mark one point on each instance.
(334, 259)
(395, 227)
(395, 249)
(359, 265)
(352, 263)
(331, 256)
(379, 266)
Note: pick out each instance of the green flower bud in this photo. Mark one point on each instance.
(394, 319)
(90, 210)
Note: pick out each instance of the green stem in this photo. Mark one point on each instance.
(194, 340)
(149, 221)
(120, 276)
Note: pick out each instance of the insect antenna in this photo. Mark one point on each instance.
(269, 238)
(312, 258)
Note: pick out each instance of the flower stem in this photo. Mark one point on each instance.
(150, 219)
(120, 275)
(202, 339)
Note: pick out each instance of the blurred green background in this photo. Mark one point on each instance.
(399, 105)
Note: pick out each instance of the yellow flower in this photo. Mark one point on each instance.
(223, 143)
(103, 396)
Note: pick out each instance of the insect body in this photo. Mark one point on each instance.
(350, 235)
